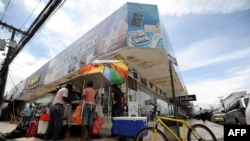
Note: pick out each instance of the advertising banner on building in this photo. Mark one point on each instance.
(144, 26)
(104, 38)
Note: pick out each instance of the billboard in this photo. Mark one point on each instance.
(104, 38)
(144, 28)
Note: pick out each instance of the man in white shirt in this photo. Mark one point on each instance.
(56, 114)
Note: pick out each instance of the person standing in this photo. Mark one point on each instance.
(89, 94)
(27, 115)
(38, 112)
(202, 115)
(56, 114)
(47, 110)
(117, 99)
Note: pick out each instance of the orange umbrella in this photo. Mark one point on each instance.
(121, 68)
(116, 72)
(91, 68)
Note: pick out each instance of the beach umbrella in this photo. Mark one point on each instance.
(115, 71)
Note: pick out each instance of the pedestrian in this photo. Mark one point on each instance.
(117, 99)
(56, 114)
(38, 112)
(47, 109)
(27, 115)
(202, 115)
(88, 95)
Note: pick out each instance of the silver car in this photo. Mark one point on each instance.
(235, 111)
(218, 117)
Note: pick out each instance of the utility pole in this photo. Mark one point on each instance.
(222, 103)
(172, 61)
(11, 44)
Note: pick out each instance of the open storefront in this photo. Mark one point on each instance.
(133, 34)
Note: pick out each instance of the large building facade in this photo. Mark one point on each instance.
(134, 34)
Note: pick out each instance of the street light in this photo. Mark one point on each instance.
(172, 60)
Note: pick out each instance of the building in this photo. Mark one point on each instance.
(232, 96)
(134, 34)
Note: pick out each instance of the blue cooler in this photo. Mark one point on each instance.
(128, 126)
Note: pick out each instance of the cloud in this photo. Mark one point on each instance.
(23, 66)
(180, 7)
(1, 6)
(207, 52)
(237, 80)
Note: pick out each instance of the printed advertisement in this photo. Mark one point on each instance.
(104, 38)
(144, 26)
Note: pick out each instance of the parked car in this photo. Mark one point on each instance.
(218, 117)
(235, 111)
(248, 113)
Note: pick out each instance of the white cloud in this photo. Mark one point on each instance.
(1, 6)
(181, 7)
(23, 66)
(208, 90)
(207, 52)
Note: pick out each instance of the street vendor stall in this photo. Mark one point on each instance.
(103, 74)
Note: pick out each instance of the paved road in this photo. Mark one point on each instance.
(6, 127)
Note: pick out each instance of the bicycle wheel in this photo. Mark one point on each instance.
(205, 134)
(147, 134)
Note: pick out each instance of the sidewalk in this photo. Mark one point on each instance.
(6, 127)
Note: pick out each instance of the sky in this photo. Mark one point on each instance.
(210, 39)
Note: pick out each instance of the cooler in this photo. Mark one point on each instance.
(128, 126)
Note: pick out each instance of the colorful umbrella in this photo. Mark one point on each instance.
(116, 71)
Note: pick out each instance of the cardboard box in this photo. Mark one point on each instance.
(128, 126)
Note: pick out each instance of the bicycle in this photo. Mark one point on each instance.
(197, 132)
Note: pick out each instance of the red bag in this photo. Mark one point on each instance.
(32, 130)
(77, 115)
(45, 117)
(97, 124)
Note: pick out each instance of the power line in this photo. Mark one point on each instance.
(13, 78)
(5, 9)
(225, 26)
(30, 14)
(12, 81)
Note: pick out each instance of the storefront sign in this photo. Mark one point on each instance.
(187, 98)
(34, 81)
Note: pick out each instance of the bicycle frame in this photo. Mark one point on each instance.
(180, 121)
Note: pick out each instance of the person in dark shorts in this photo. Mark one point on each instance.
(117, 99)
(56, 114)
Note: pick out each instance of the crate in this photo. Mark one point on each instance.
(128, 126)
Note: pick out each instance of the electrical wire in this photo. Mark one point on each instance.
(11, 74)
(13, 81)
(30, 14)
(225, 26)
(5, 10)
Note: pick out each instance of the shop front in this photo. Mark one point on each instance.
(133, 34)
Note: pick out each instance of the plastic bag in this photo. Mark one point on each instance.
(77, 115)
(97, 124)
(45, 117)
(99, 111)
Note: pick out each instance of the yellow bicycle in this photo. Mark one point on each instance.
(195, 132)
